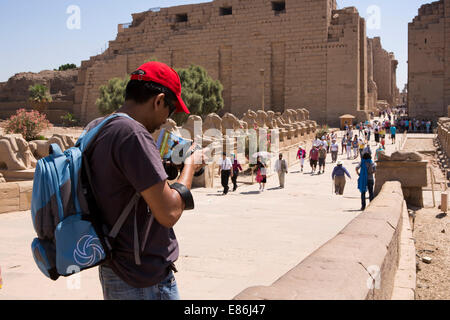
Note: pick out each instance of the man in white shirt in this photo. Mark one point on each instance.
(334, 148)
(225, 172)
(281, 169)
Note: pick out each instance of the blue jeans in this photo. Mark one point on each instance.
(115, 288)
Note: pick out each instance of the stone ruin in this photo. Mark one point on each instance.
(15, 153)
(40, 148)
(407, 167)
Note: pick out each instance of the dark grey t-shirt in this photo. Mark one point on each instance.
(124, 160)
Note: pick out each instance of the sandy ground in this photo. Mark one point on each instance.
(431, 229)
(432, 235)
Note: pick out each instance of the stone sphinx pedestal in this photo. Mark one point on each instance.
(410, 171)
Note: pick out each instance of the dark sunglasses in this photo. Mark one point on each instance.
(172, 108)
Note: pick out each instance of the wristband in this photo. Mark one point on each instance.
(185, 194)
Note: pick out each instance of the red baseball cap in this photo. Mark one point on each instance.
(164, 75)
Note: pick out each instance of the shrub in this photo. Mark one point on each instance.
(67, 66)
(69, 120)
(323, 131)
(39, 97)
(112, 96)
(28, 124)
(201, 94)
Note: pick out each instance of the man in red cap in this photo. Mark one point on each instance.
(124, 160)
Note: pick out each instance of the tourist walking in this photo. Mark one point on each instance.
(313, 158)
(349, 148)
(322, 158)
(344, 144)
(281, 168)
(383, 142)
(355, 145)
(334, 151)
(377, 152)
(338, 177)
(261, 175)
(393, 132)
(365, 170)
(225, 172)
(367, 149)
(301, 155)
(361, 146)
(236, 168)
(377, 133)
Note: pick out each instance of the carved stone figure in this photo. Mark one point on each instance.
(212, 121)
(15, 153)
(261, 119)
(230, 121)
(40, 148)
(190, 124)
(250, 118)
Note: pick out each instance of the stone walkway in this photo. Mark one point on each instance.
(227, 243)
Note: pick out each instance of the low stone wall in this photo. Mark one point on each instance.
(443, 130)
(15, 196)
(361, 262)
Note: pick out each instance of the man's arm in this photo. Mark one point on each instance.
(347, 173)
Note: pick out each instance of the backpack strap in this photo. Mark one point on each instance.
(123, 216)
(87, 137)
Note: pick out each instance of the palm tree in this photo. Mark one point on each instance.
(39, 97)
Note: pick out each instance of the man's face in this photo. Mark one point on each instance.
(159, 112)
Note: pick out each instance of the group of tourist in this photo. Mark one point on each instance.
(355, 143)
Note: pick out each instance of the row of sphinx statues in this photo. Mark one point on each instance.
(18, 154)
(291, 123)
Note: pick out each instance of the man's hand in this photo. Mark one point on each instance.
(198, 158)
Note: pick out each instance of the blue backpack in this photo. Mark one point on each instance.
(70, 235)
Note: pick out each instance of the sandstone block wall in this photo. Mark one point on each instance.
(443, 130)
(15, 196)
(339, 270)
(429, 61)
(313, 55)
(384, 72)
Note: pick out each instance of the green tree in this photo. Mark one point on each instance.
(39, 97)
(67, 66)
(112, 95)
(201, 94)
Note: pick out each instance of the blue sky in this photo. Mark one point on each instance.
(35, 35)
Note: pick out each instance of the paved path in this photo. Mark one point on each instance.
(226, 245)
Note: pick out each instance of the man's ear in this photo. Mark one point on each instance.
(158, 103)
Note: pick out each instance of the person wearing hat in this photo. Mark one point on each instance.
(301, 155)
(338, 175)
(125, 161)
